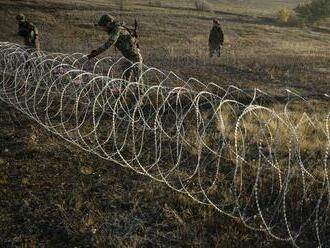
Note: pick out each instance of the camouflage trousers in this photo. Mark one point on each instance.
(215, 50)
(133, 70)
(32, 43)
(133, 67)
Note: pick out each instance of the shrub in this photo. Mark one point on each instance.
(313, 11)
(203, 5)
(283, 15)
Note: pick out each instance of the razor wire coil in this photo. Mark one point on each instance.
(256, 158)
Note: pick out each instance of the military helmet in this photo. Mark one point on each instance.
(20, 17)
(104, 20)
(216, 21)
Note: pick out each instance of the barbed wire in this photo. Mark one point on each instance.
(258, 158)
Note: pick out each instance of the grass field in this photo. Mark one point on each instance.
(48, 199)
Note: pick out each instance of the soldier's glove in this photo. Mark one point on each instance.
(93, 54)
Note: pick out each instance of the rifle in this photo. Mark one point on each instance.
(135, 35)
(134, 32)
(135, 29)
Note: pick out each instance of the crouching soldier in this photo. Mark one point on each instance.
(29, 32)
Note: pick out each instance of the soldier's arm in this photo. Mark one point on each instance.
(37, 39)
(33, 30)
(36, 32)
(114, 35)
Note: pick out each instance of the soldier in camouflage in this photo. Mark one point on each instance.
(28, 31)
(124, 40)
(216, 39)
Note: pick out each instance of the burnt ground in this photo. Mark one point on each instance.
(55, 195)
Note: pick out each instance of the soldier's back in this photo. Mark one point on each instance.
(216, 35)
(125, 43)
(28, 31)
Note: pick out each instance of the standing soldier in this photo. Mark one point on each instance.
(28, 31)
(215, 38)
(125, 41)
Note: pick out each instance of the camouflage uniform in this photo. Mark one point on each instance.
(215, 39)
(28, 31)
(125, 42)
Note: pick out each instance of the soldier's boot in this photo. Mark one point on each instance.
(128, 74)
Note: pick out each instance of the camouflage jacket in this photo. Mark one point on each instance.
(29, 32)
(216, 36)
(122, 38)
